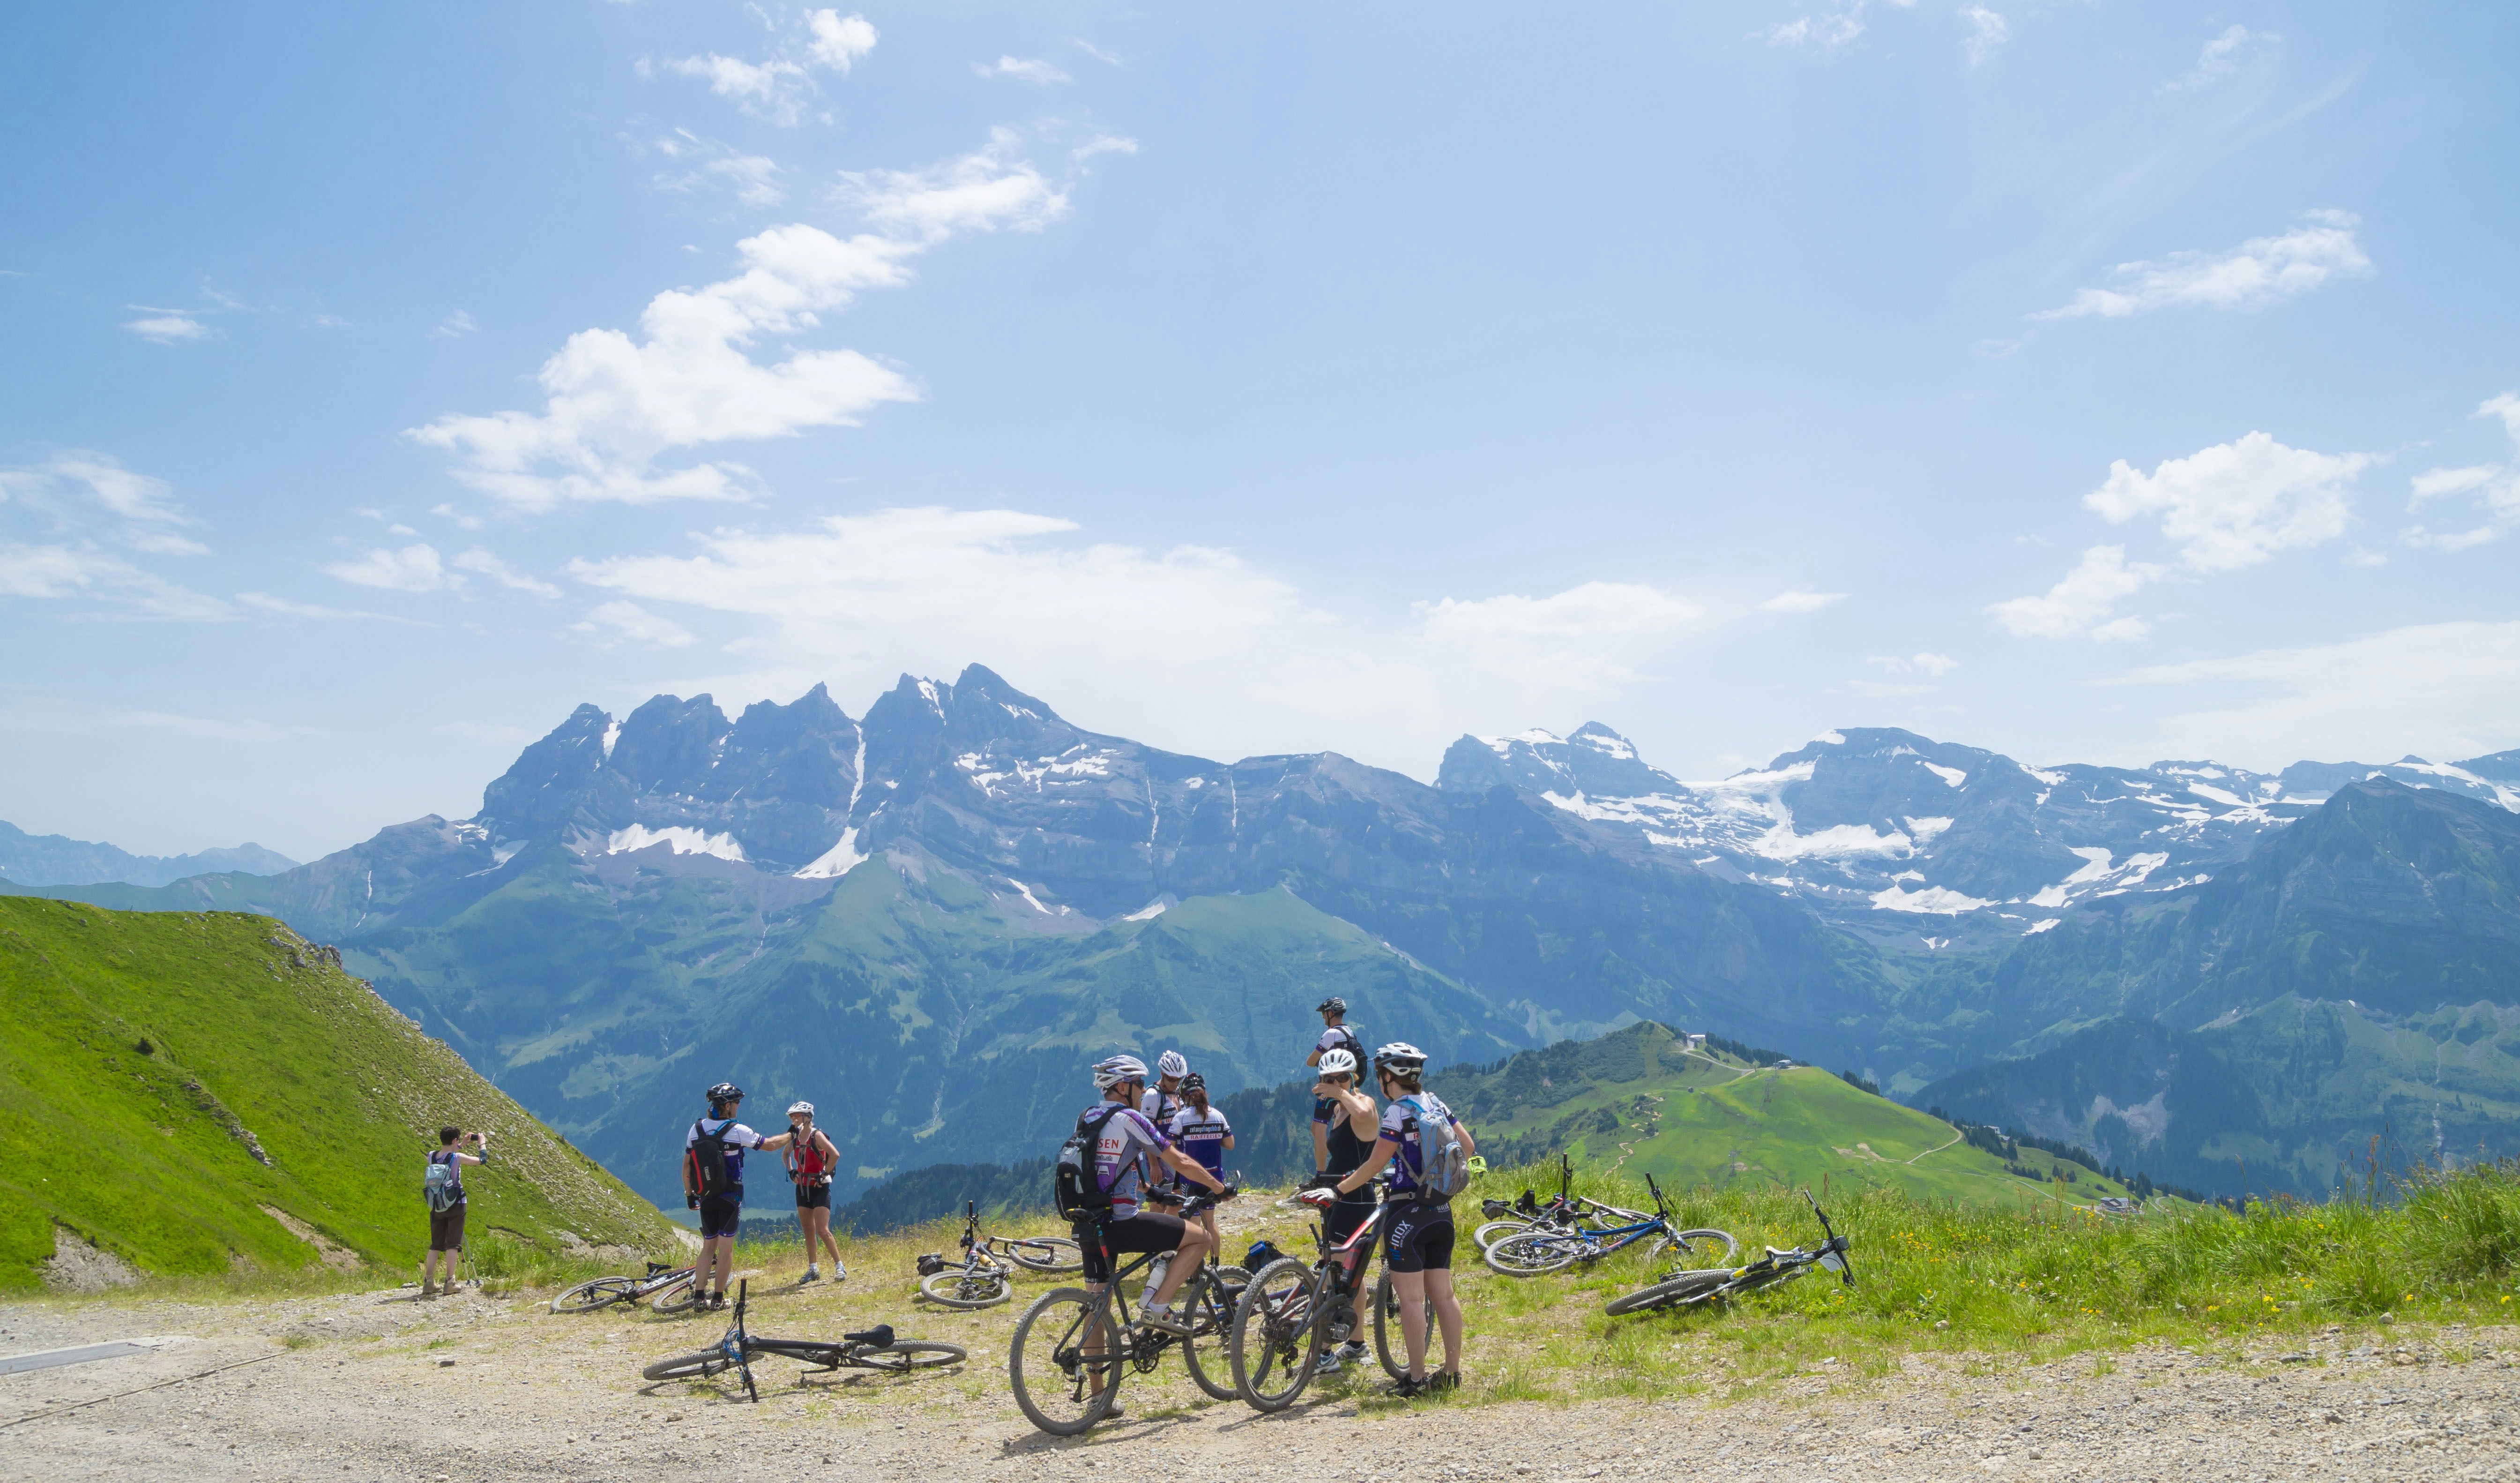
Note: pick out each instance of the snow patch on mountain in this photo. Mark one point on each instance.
(1950, 775)
(1937, 900)
(683, 839)
(838, 861)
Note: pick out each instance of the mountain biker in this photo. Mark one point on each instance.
(1200, 1131)
(720, 1213)
(811, 1158)
(1351, 1135)
(446, 1209)
(1336, 1036)
(1418, 1243)
(1163, 1099)
(1127, 1147)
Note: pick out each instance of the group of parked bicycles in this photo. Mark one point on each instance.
(1530, 1238)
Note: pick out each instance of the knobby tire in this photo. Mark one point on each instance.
(1063, 1401)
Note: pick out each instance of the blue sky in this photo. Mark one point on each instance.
(2092, 382)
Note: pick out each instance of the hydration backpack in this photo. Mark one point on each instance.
(1076, 1184)
(704, 1170)
(443, 1185)
(1443, 1165)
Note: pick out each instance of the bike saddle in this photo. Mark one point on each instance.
(656, 1267)
(881, 1337)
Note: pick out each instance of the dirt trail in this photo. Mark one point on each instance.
(376, 1387)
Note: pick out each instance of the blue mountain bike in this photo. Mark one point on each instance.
(1543, 1250)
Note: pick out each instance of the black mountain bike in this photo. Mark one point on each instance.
(1292, 1312)
(877, 1348)
(1074, 1345)
(1689, 1290)
(670, 1286)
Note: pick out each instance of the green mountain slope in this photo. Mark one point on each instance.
(170, 1079)
(1643, 1102)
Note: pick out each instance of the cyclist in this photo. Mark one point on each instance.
(1127, 1147)
(1337, 1035)
(1163, 1099)
(1351, 1136)
(721, 1210)
(1200, 1130)
(1418, 1241)
(811, 1158)
(446, 1203)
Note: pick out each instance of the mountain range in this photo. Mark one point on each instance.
(931, 917)
(55, 860)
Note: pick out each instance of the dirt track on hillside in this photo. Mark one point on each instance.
(469, 1388)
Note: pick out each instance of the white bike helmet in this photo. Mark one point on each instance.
(1400, 1055)
(1117, 1069)
(1172, 1064)
(1340, 1062)
(805, 1107)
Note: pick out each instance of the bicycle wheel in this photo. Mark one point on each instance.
(1533, 1254)
(907, 1354)
(688, 1367)
(1046, 1253)
(1390, 1343)
(967, 1290)
(1700, 1248)
(1496, 1230)
(1681, 1287)
(676, 1297)
(1062, 1388)
(1274, 1341)
(1212, 1325)
(602, 1292)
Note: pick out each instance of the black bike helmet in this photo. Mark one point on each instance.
(1193, 1082)
(1331, 1005)
(725, 1091)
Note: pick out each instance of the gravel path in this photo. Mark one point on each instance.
(378, 1386)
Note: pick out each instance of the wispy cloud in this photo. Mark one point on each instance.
(1026, 68)
(150, 519)
(700, 164)
(414, 568)
(2258, 273)
(1097, 52)
(1924, 662)
(265, 603)
(1587, 637)
(167, 326)
(1799, 601)
(629, 620)
(2222, 57)
(777, 88)
(1104, 144)
(2495, 486)
(480, 561)
(1986, 33)
(454, 326)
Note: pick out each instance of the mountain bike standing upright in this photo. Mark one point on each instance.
(1292, 1312)
(1071, 1349)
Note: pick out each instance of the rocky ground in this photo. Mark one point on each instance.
(377, 1386)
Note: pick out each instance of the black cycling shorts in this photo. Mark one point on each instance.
(1419, 1237)
(1141, 1232)
(719, 1217)
(815, 1196)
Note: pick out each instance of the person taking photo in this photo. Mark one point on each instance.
(444, 1187)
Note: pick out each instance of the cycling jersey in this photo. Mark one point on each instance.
(735, 1137)
(1400, 1125)
(1123, 1154)
(1159, 1105)
(1201, 1136)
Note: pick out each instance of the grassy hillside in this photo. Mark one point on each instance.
(168, 1079)
(1641, 1102)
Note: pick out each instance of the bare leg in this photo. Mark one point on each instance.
(1410, 1288)
(818, 1235)
(1194, 1248)
(1448, 1317)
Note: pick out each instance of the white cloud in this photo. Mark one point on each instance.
(264, 601)
(2496, 486)
(414, 568)
(839, 40)
(146, 504)
(1922, 663)
(499, 571)
(1104, 144)
(78, 718)
(2222, 57)
(1987, 34)
(80, 570)
(1586, 637)
(168, 327)
(1028, 68)
(777, 88)
(1108, 59)
(2084, 603)
(2258, 273)
(631, 621)
(1834, 28)
(461, 520)
(2236, 504)
(2444, 691)
(454, 326)
(1801, 601)
(613, 403)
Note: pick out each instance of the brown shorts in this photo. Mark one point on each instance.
(446, 1231)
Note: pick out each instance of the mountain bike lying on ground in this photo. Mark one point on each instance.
(1539, 1250)
(1291, 1313)
(1074, 1345)
(1688, 1289)
(671, 1288)
(981, 1279)
(1565, 1211)
(876, 1348)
